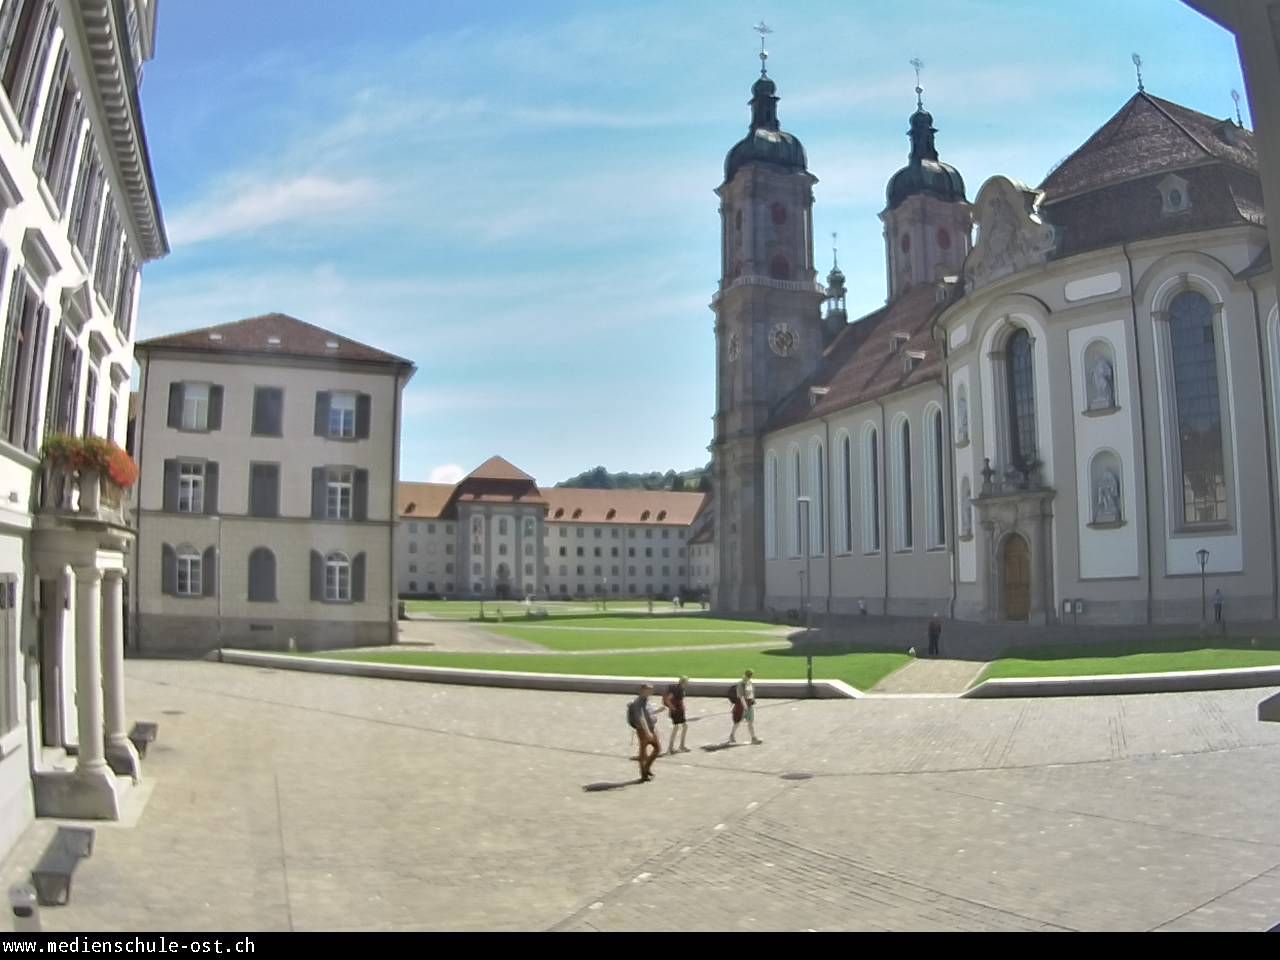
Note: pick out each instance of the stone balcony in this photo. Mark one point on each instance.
(81, 499)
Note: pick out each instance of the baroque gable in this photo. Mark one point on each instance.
(1012, 236)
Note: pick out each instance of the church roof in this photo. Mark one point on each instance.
(273, 333)
(890, 350)
(1149, 135)
(766, 142)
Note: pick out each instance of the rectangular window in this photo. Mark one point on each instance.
(190, 487)
(413, 568)
(10, 711)
(264, 489)
(195, 406)
(190, 581)
(580, 551)
(337, 580)
(90, 400)
(581, 569)
(342, 415)
(431, 527)
(599, 533)
(268, 412)
(448, 548)
(20, 368)
(413, 528)
(413, 547)
(339, 491)
(597, 553)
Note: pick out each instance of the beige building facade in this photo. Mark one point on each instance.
(266, 512)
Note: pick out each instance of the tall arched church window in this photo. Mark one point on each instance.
(1022, 399)
(871, 493)
(1199, 409)
(797, 517)
(937, 495)
(846, 494)
(771, 506)
(818, 509)
(905, 493)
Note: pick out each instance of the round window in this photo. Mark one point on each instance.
(944, 239)
(1175, 199)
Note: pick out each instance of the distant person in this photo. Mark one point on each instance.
(935, 634)
(862, 608)
(641, 718)
(744, 708)
(1217, 606)
(673, 700)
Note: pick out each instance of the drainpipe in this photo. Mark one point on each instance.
(883, 443)
(830, 544)
(1142, 429)
(393, 507)
(135, 593)
(1268, 426)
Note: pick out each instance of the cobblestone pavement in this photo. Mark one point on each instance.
(931, 676)
(295, 801)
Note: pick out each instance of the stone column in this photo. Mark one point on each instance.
(92, 794)
(121, 755)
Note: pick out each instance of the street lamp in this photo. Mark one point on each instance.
(808, 591)
(1203, 556)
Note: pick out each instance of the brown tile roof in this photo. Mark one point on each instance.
(496, 468)
(272, 333)
(425, 500)
(862, 363)
(652, 507)
(1149, 135)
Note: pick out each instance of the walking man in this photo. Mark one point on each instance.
(644, 723)
(1217, 607)
(935, 634)
(744, 708)
(673, 699)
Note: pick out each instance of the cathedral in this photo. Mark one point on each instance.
(1067, 407)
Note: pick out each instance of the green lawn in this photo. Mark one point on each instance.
(622, 635)
(862, 670)
(1219, 653)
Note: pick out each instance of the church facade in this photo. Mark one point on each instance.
(1067, 407)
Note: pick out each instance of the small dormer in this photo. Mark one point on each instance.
(816, 394)
(911, 359)
(898, 342)
(1175, 195)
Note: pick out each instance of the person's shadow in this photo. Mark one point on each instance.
(602, 787)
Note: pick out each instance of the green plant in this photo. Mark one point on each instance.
(112, 462)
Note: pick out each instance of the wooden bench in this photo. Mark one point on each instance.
(142, 735)
(52, 875)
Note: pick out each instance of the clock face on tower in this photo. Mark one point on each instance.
(735, 346)
(782, 339)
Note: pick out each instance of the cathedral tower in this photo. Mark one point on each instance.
(927, 223)
(769, 331)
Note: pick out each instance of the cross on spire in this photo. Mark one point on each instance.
(764, 30)
(1235, 95)
(835, 251)
(919, 65)
(1137, 64)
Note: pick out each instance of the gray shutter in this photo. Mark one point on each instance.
(317, 493)
(322, 414)
(175, 405)
(317, 575)
(209, 572)
(364, 411)
(168, 570)
(210, 488)
(360, 496)
(215, 408)
(171, 486)
(357, 578)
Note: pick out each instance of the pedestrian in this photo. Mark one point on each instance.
(673, 700)
(744, 708)
(935, 634)
(1217, 607)
(642, 720)
(862, 608)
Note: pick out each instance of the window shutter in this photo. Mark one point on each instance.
(322, 414)
(215, 408)
(364, 410)
(210, 488)
(209, 572)
(317, 493)
(357, 578)
(317, 575)
(168, 570)
(175, 405)
(360, 496)
(171, 486)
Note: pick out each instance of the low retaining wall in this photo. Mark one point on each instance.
(1269, 709)
(765, 689)
(1239, 679)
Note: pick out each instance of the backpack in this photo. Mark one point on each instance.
(632, 719)
(733, 694)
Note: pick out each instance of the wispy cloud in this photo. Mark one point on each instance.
(243, 206)
(446, 473)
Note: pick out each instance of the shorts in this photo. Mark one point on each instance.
(677, 716)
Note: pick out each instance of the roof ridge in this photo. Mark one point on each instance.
(1158, 103)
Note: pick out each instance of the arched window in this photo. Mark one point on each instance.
(262, 576)
(502, 526)
(797, 515)
(1199, 408)
(935, 452)
(771, 506)
(1020, 359)
(845, 493)
(871, 492)
(818, 508)
(906, 503)
(337, 577)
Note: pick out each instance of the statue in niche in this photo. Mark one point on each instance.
(966, 516)
(962, 418)
(1106, 497)
(1102, 385)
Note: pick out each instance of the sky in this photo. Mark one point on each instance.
(519, 196)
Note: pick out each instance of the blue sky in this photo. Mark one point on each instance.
(518, 196)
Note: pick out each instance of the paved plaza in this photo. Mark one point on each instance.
(294, 801)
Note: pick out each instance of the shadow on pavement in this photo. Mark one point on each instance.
(602, 787)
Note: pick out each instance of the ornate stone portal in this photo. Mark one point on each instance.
(1015, 557)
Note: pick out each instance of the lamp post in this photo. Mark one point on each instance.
(808, 582)
(1202, 555)
(604, 595)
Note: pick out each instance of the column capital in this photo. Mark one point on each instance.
(113, 576)
(88, 574)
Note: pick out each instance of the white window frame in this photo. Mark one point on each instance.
(342, 415)
(339, 492)
(191, 486)
(190, 568)
(195, 406)
(337, 578)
